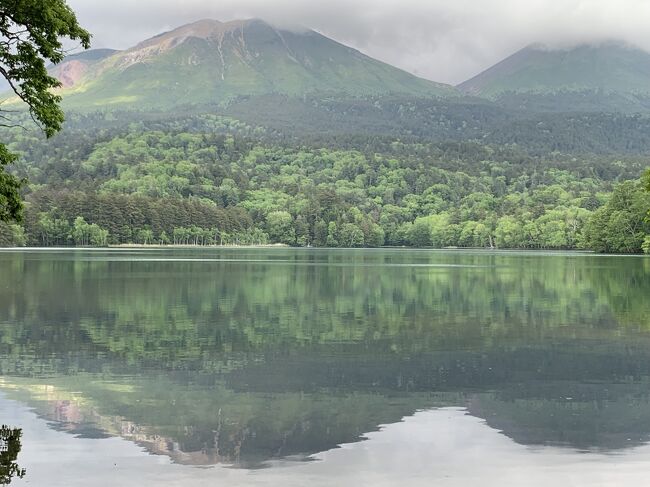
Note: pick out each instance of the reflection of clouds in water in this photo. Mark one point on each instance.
(444, 447)
(532, 328)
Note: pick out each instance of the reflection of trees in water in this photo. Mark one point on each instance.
(9, 449)
(174, 312)
(250, 361)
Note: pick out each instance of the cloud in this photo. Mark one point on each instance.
(443, 40)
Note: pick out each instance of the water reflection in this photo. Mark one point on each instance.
(244, 356)
(9, 449)
(434, 447)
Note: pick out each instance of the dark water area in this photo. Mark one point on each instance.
(330, 367)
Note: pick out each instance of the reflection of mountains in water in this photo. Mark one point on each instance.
(581, 395)
(245, 361)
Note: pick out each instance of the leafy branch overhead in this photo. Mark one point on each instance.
(31, 35)
(31, 32)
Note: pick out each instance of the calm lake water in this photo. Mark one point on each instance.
(326, 367)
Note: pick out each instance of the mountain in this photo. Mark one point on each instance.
(210, 62)
(608, 69)
(75, 67)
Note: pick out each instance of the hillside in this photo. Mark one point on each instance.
(610, 69)
(210, 62)
(206, 179)
(75, 67)
(243, 133)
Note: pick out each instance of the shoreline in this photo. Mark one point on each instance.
(185, 246)
(356, 249)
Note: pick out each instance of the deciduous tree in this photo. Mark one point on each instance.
(31, 33)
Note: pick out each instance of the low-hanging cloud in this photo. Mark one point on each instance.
(443, 40)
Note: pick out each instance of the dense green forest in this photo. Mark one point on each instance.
(199, 179)
(332, 149)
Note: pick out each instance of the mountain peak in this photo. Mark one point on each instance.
(209, 30)
(201, 29)
(609, 67)
(209, 61)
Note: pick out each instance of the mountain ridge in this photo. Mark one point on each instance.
(610, 67)
(209, 61)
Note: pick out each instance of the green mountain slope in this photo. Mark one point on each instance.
(611, 68)
(213, 62)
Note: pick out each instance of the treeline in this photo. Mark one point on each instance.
(79, 218)
(75, 218)
(623, 224)
(209, 181)
(522, 121)
(599, 123)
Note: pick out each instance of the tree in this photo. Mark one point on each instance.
(98, 236)
(332, 235)
(320, 233)
(303, 238)
(84, 233)
(646, 245)
(52, 231)
(509, 233)
(10, 204)
(373, 235)
(420, 233)
(80, 231)
(621, 225)
(228, 192)
(351, 236)
(12, 235)
(180, 235)
(145, 236)
(31, 32)
(9, 449)
(473, 234)
(280, 227)
(164, 238)
(442, 232)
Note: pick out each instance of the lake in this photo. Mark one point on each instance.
(326, 367)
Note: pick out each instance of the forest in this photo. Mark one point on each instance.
(207, 179)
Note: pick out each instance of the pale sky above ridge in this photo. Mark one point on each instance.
(447, 41)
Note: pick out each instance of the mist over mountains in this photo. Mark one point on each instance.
(611, 67)
(213, 62)
(209, 63)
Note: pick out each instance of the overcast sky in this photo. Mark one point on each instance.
(443, 40)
